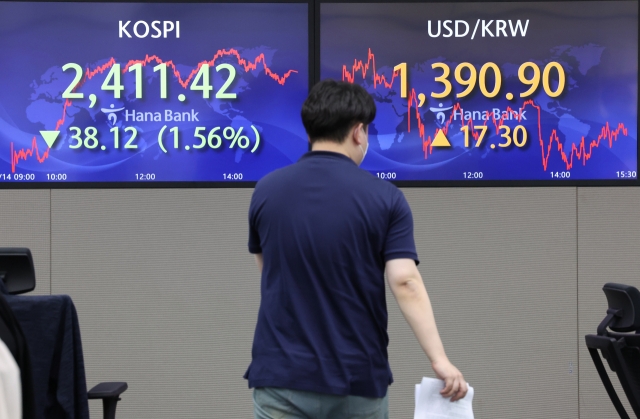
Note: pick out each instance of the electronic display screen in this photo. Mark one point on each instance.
(151, 92)
(541, 91)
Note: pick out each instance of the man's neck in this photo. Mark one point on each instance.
(333, 147)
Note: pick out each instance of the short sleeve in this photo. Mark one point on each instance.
(254, 236)
(400, 243)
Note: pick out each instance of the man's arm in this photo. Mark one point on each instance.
(259, 261)
(406, 285)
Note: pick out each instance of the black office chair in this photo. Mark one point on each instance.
(620, 345)
(18, 275)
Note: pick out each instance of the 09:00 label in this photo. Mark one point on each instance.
(18, 176)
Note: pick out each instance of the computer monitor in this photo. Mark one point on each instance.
(493, 93)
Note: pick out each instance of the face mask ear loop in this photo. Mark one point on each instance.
(364, 151)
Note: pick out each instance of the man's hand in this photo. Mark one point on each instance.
(454, 384)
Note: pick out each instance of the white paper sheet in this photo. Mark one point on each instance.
(431, 405)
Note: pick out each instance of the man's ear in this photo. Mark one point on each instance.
(356, 133)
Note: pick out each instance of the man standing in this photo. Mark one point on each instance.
(324, 233)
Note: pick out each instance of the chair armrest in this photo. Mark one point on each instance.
(107, 390)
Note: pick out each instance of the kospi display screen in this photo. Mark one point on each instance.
(537, 91)
(151, 92)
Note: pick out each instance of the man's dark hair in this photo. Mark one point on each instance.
(334, 107)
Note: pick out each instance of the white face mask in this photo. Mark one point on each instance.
(364, 151)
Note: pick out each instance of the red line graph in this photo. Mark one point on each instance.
(23, 154)
(248, 65)
(581, 152)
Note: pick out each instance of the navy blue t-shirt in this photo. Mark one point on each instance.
(325, 229)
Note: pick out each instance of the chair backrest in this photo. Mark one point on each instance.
(16, 270)
(17, 275)
(620, 348)
(624, 299)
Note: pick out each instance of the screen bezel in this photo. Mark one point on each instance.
(313, 10)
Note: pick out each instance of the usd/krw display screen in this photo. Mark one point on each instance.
(492, 91)
(144, 92)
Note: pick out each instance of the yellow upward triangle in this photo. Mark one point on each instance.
(440, 140)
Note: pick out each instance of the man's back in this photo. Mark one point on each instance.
(324, 234)
(325, 229)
